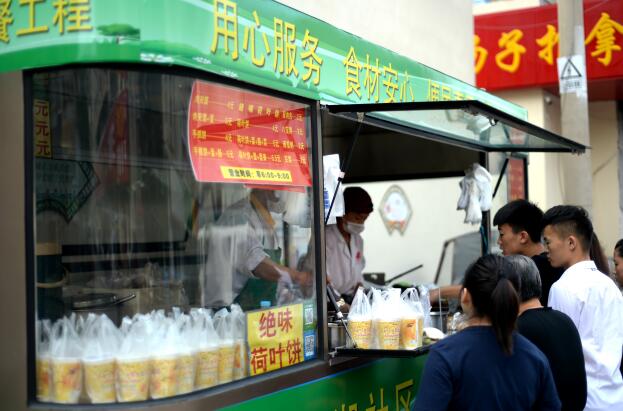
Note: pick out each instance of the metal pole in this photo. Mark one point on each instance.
(576, 170)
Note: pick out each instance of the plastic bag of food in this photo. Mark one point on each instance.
(44, 376)
(386, 318)
(133, 363)
(360, 320)
(65, 362)
(239, 325)
(207, 348)
(101, 339)
(412, 324)
(163, 380)
(187, 355)
(223, 326)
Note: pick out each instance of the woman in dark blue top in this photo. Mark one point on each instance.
(487, 366)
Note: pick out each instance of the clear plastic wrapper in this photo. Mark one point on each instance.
(386, 318)
(65, 362)
(360, 320)
(43, 363)
(207, 349)
(412, 323)
(133, 364)
(223, 325)
(101, 339)
(425, 301)
(187, 359)
(163, 380)
(240, 347)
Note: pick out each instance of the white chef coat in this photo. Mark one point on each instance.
(344, 264)
(236, 247)
(595, 305)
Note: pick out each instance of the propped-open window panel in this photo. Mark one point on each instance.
(467, 124)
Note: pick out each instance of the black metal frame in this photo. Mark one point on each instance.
(471, 106)
(376, 353)
(222, 395)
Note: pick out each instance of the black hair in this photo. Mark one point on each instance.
(618, 248)
(598, 256)
(492, 286)
(521, 215)
(357, 200)
(570, 220)
(573, 220)
(529, 276)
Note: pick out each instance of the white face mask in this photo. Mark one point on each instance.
(353, 228)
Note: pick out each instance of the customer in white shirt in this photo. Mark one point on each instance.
(590, 298)
(344, 245)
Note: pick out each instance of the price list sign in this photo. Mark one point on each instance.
(237, 136)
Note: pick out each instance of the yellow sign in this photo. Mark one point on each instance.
(256, 174)
(275, 337)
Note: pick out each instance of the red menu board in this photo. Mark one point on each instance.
(238, 136)
(516, 179)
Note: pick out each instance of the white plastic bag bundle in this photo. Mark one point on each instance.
(134, 359)
(101, 339)
(239, 326)
(476, 193)
(332, 172)
(66, 365)
(386, 318)
(360, 320)
(412, 324)
(223, 326)
(483, 181)
(44, 376)
(207, 348)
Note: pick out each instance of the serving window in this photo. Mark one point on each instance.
(173, 222)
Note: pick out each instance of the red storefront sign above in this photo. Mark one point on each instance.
(519, 48)
(237, 136)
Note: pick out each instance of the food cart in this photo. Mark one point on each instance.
(133, 131)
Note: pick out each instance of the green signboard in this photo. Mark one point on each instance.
(384, 385)
(259, 42)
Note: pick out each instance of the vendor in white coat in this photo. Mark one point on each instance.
(345, 260)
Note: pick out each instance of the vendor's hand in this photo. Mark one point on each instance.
(303, 278)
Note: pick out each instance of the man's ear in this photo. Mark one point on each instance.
(573, 243)
(524, 237)
(466, 297)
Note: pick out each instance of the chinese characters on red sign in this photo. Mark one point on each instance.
(245, 137)
(275, 338)
(519, 48)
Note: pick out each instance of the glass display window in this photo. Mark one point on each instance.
(174, 218)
